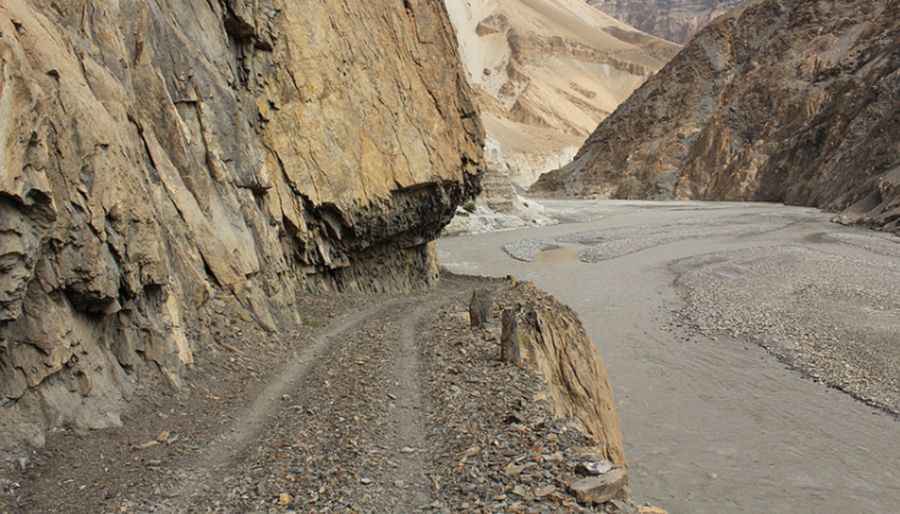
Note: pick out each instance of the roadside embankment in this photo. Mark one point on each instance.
(393, 403)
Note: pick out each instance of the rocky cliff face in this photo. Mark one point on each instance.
(167, 165)
(547, 337)
(794, 103)
(674, 20)
(546, 72)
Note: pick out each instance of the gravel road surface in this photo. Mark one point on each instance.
(381, 404)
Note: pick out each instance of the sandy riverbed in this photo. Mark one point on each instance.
(754, 348)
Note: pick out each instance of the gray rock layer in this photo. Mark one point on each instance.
(675, 20)
(166, 163)
(793, 102)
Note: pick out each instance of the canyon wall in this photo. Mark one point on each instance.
(173, 163)
(793, 102)
(545, 336)
(545, 73)
(674, 20)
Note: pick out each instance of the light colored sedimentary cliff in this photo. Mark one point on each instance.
(674, 20)
(785, 102)
(164, 165)
(546, 72)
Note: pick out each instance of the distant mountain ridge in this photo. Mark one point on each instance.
(674, 20)
(795, 104)
(545, 73)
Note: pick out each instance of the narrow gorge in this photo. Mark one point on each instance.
(792, 102)
(280, 256)
(217, 225)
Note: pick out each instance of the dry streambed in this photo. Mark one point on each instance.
(597, 245)
(826, 314)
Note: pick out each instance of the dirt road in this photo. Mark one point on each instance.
(391, 404)
(682, 299)
(329, 428)
(381, 404)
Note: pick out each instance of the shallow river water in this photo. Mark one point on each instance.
(678, 294)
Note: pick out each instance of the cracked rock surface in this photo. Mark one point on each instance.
(168, 167)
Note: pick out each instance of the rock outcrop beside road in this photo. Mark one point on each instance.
(545, 336)
(535, 433)
(781, 102)
(167, 167)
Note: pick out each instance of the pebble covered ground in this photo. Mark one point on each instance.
(393, 405)
(489, 421)
(833, 317)
(96, 472)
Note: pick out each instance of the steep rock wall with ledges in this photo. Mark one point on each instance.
(170, 163)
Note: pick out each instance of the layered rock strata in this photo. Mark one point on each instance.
(165, 164)
(545, 336)
(674, 20)
(793, 102)
(546, 72)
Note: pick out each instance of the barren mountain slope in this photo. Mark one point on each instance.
(674, 20)
(169, 167)
(546, 71)
(795, 102)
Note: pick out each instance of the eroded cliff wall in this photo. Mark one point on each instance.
(779, 101)
(543, 335)
(674, 20)
(546, 72)
(167, 163)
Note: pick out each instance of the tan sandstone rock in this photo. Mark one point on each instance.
(601, 489)
(546, 72)
(166, 166)
(546, 336)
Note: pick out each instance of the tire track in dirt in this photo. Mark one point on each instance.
(408, 424)
(364, 405)
(196, 477)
